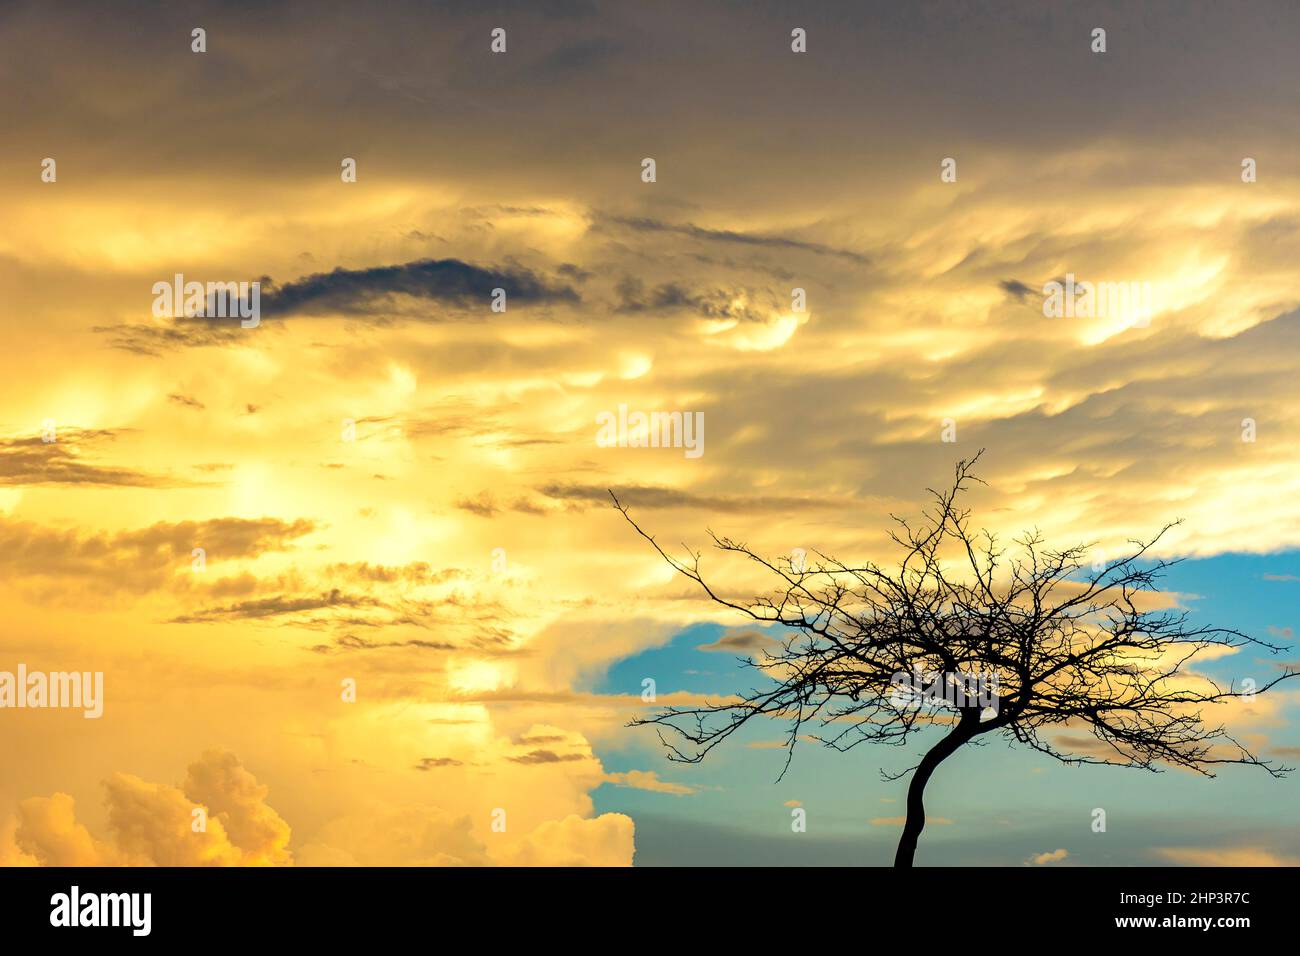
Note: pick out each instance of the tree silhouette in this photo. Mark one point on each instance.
(964, 636)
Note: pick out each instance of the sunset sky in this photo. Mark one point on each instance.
(459, 557)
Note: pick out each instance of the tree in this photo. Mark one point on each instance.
(962, 636)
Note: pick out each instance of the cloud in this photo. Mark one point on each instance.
(180, 333)
(606, 840)
(740, 641)
(423, 835)
(1094, 431)
(143, 559)
(409, 835)
(432, 763)
(1042, 859)
(367, 291)
(541, 756)
(660, 497)
(46, 833)
(345, 643)
(418, 606)
(714, 304)
(354, 293)
(10, 853)
(547, 738)
(1086, 745)
(1017, 289)
(277, 606)
(413, 572)
(33, 461)
(152, 824)
(185, 400)
(483, 505)
(221, 783)
(1225, 856)
(648, 780)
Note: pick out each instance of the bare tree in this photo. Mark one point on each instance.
(963, 636)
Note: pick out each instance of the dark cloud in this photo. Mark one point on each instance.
(353, 293)
(672, 296)
(1016, 289)
(365, 291)
(546, 756)
(185, 400)
(573, 272)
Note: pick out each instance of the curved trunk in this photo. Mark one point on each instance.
(915, 822)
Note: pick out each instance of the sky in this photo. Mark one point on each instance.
(394, 488)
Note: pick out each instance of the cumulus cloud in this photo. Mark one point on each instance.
(233, 795)
(606, 840)
(423, 835)
(152, 824)
(413, 835)
(47, 833)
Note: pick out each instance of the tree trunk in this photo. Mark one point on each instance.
(915, 823)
